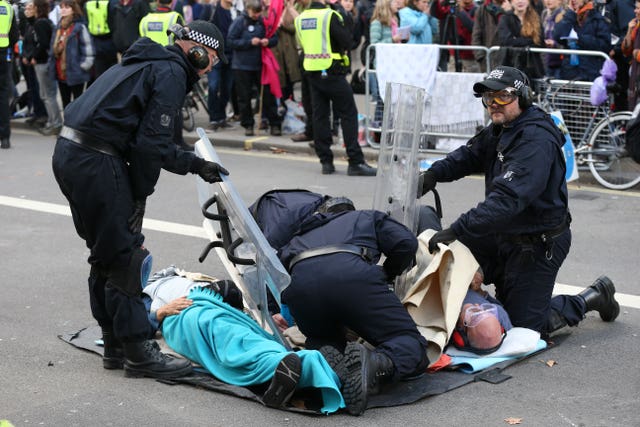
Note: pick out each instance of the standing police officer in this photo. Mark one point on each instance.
(156, 24)
(8, 37)
(520, 233)
(116, 138)
(97, 12)
(325, 41)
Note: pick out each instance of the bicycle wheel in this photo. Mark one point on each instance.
(202, 95)
(608, 159)
(188, 120)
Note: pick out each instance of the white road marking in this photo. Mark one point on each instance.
(626, 300)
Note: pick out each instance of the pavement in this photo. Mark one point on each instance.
(262, 141)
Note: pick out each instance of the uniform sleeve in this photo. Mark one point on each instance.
(397, 242)
(340, 34)
(154, 146)
(14, 33)
(523, 178)
(463, 161)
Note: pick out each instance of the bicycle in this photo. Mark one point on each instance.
(601, 148)
(198, 95)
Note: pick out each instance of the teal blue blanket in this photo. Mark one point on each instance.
(236, 350)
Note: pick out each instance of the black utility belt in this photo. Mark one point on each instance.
(360, 251)
(542, 237)
(85, 140)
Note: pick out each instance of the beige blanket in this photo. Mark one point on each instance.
(440, 283)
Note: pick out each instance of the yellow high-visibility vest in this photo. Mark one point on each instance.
(6, 18)
(155, 26)
(97, 11)
(312, 29)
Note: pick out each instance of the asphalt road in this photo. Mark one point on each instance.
(44, 381)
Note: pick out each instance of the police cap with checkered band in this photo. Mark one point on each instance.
(207, 34)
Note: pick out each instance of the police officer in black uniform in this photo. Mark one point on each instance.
(337, 284)
(115, 140)
(520, 233)
(326, 65)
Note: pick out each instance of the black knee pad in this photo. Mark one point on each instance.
(131, 279)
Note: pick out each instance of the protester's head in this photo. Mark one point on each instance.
(202, 42)
(70, 9)
(349, 6)
(42, 8)
(499, 92)
(29, 9)
(229, 292)
(420, 5)
(384, 11)
(553, 4)
(253, 8)
(577, 5)
(530, 20)
(478, 329)
(336, 205)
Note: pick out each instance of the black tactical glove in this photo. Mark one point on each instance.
(445, 236)
(211, 171)
(135, 220)
(428, 182)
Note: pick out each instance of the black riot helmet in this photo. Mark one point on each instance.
(336, 205)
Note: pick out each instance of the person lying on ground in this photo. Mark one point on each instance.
(204, 322)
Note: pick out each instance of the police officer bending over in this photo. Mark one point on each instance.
(336, 284)
(520, 233)
(116, 138)
(325, 41)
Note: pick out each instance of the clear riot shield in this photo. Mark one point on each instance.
(244, 251)
(398, 169)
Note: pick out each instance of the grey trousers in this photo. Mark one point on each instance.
(48, 94)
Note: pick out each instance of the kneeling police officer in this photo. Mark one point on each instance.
(520, 233)
(115, 140)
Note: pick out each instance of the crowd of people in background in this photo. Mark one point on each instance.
(66, 44)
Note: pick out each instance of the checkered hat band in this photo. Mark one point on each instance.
(208, 41)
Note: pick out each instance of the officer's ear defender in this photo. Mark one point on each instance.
(526, 97)
(197, 55)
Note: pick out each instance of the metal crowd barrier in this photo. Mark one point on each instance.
(570, 97)
(373, 109)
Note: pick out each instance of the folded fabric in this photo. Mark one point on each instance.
(236, 350)
(440, 283)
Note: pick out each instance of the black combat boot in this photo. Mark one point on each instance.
(363, 373)
(113, 354)
(144, 359)
(334, 358)
(599, 297)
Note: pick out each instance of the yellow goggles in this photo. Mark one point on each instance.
(501, 97)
